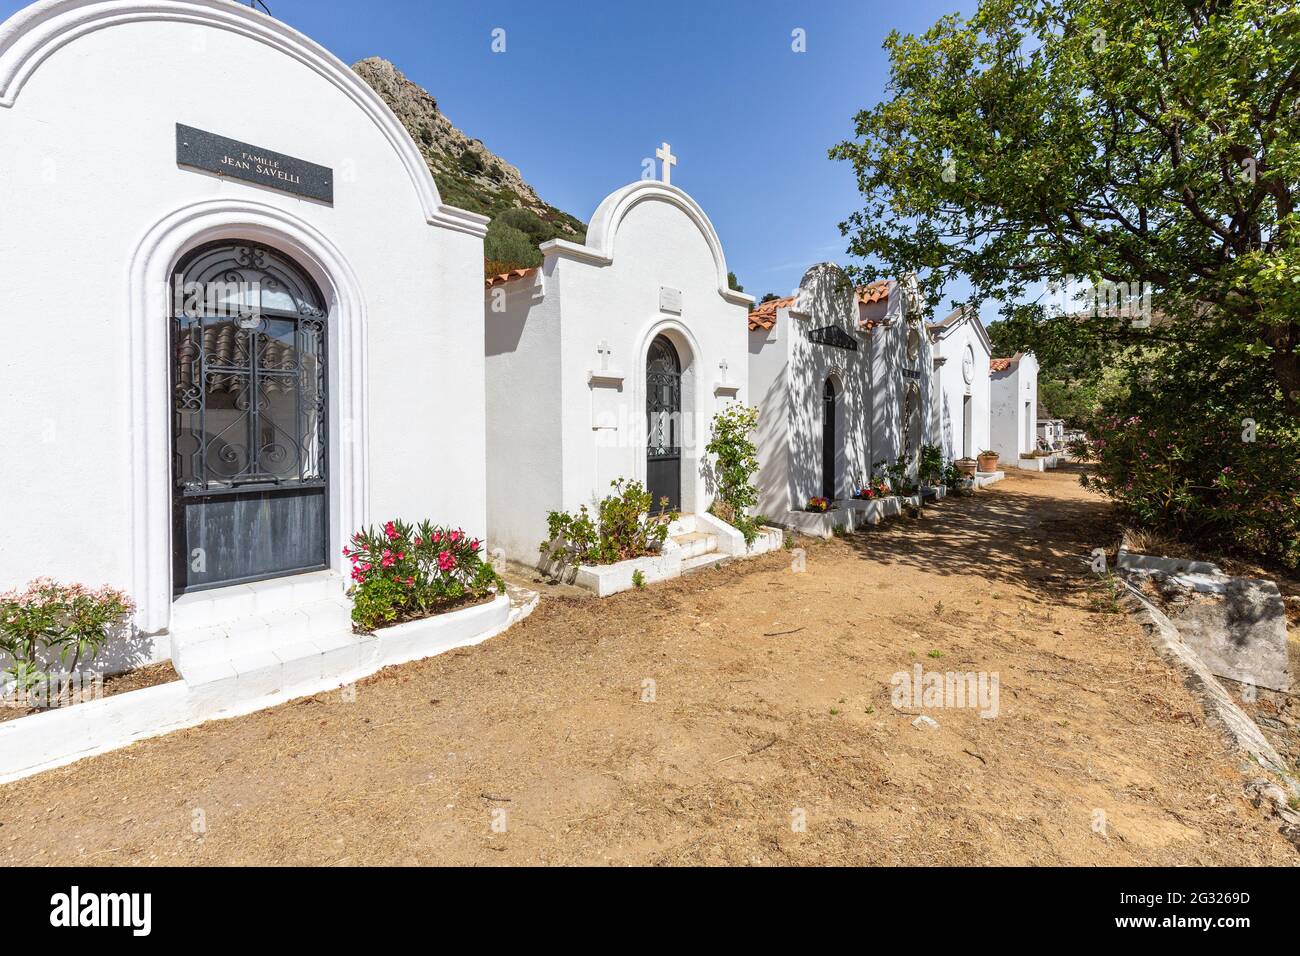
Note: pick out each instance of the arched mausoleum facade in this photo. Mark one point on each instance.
(810, 375)
(609, 361)
(183, 445)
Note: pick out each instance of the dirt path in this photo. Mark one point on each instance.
(771, 705)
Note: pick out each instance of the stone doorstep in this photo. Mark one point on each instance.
(694, 544)
(203, 609)
(275, 650)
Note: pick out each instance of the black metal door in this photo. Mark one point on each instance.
(828, 441)
(249, 386)
(663, 412)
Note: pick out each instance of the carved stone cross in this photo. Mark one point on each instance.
(665, 153)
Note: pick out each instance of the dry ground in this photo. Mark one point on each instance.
(771, 699)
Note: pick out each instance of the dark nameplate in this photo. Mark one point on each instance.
(253, 164)
(911, 373)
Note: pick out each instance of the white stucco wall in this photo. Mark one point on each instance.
(642, 238)
(890, 378)
(1014, 397)
(952, 345)
(96, 212)
(787, 374)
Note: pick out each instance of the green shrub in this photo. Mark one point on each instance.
(508, 244)
(734, 465)
(624, 528)
(49, 619)
(404, 573)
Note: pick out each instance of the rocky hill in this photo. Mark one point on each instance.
(471, 176)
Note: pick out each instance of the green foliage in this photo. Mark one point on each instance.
(733, 283)
(638, 579)
(624, 528)
(930, 468)
(52, 620)
(735, 462)
(1175, 453)
(900, 482)
(403, 572)
(1112, 140)
(507, 244)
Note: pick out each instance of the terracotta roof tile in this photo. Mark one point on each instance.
(1002, 364)
(764, 315)
(504, 277)
(873, 292)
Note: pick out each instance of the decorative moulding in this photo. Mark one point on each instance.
(726, 388)
(605, 378)
(614, 208)
(34, 34)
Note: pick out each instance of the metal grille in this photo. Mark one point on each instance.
(833, 336)
(663, 400)
(249, 385)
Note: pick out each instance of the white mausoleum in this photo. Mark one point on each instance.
(810, 376)
(961, 409)
(242, 323)
(609, 361)
(1013, 389)
(902, 371)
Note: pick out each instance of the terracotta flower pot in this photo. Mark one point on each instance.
(988, 463)
(966, 466)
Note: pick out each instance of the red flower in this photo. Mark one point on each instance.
(446, 560)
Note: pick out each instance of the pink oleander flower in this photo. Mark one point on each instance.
(446, 561)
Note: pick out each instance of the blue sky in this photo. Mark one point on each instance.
(586, 90)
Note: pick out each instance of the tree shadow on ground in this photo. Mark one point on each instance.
(1032, 534)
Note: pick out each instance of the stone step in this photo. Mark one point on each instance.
(683, 525)
(203, 609)
(695, 543)
(271, 651)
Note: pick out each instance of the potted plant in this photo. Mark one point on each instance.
(988, 460)
(968, 466)
(818, 504)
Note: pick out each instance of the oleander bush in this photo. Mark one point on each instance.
(403, 572)
(735, 463)
(49, 621)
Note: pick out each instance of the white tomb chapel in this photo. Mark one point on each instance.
(609, 361)
(211, 454)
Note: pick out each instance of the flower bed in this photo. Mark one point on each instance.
(405, 573)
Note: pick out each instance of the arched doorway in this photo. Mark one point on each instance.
(663, 409)
(829, 444)
(249, 404)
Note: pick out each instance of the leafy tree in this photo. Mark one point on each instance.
(733, 283)
(1128, 141)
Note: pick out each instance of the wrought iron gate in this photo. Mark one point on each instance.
(663, 410)
(249, 405)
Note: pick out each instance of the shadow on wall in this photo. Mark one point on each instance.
(827, 296)
(127, 648)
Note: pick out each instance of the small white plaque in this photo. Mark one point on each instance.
(670, 300)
